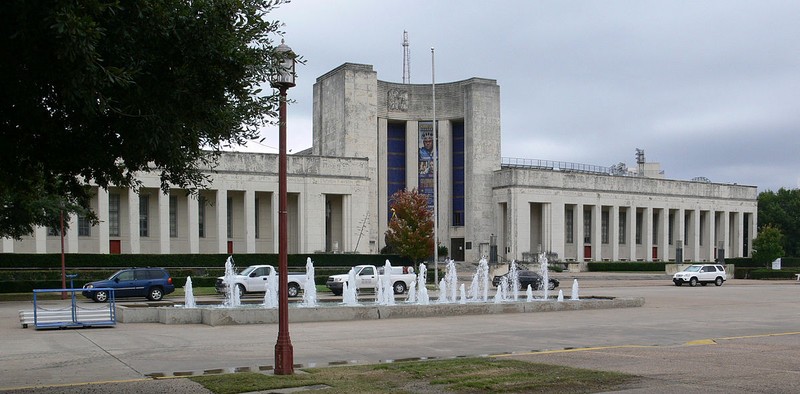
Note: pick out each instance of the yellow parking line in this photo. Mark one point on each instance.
(696, 342)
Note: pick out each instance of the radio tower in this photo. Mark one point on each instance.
(406, 59)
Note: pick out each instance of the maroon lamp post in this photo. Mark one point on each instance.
(283, 80)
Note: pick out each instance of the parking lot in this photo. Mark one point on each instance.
(741, 337)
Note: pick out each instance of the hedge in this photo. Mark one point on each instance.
(86, 260)
(617, 266)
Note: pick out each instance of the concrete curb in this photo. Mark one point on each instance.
(254, 314)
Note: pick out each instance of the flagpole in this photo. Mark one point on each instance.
(435, 175)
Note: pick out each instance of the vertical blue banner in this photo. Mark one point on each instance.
(426, 155)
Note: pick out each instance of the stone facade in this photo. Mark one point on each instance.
(369, 140)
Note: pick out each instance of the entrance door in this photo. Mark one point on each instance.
(114, 246)
(457, 249)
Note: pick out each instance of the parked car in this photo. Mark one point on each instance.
(153, 283)
(525, 278)
(701, 273)
(368, 276)
(253, 279)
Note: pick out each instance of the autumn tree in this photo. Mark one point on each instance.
(97, 91)
(410, 232)
(768, 245)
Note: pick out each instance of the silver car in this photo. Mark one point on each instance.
(701, 273)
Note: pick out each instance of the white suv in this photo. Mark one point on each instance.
(701, 273)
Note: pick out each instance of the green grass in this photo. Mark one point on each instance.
(462, 375)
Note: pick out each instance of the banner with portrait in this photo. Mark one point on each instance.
(426, 168)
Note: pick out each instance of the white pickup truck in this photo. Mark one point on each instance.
(367, 277)
(253, 279)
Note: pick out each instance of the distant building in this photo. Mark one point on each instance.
(372, 138)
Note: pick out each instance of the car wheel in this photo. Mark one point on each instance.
(678, 283)
(718, 281)
(336, 293)
(551, 286)
(294, 289)
(242, 290)
(399, 287)
(155, 294)
(100, 296)
(693, 282)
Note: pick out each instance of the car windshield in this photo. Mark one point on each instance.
(247, 271)
(693, 268)
(114, 275)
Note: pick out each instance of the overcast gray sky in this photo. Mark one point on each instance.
(706, 88)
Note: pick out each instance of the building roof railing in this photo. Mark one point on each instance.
(513, 162)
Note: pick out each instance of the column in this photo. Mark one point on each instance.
(7, 246)
(547, 228)
(193, 227)
(711, 244)
(578, 226)
(753, 231)
(250, 220)
(696, 235)
(739, 217)
(163, 223)
(647, 233)
(348, 222)
(631, 217)
(597, 233)
(557, 241)
(102, 215)
(222, 220)
(613, 228)
(71, 237)
(663, 234)
(135, 239)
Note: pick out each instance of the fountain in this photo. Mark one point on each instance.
(271, 295)
(474, 302)
(232, 294)
(422, 291)
(310, 286)
(479, 289)
(544, 272)
(574, 295)
(513, 279)
(350, 290)
(188, 294)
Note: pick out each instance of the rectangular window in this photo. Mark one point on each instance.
(639, 218)
(568, 226)
(201, 216)
(587, 227)
(144, 215)
(604, 226)
(230, 217)
(458, 185)
(671, 228)
(623, 226)
(702, 228)
(256, 222)
(395, 162)
(113, 214)
(84, 226)
(686, 223)
(655, 228)
(173, 216)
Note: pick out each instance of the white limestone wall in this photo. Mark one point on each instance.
(721, 208)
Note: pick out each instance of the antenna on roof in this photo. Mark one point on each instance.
(406, 59)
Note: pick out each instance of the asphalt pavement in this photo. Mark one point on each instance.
(742, 337)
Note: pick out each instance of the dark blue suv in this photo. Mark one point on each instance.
(153, 283)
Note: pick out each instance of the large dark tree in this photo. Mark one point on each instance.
(781, 210)
(95, 91)
(410, 232)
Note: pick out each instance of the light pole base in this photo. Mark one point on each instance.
(284, 357)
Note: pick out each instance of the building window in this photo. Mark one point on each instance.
(201, 216)
(587, 227)
(604, 227)
(113, 214)
(458, 184)
(623, 226)
(655, 228)
(703, 217)
(84, 226)
(230, 217)
(568, 226)
(639, 218)
(144, 215)
(173, 216)
(395, 162)
(686, 222)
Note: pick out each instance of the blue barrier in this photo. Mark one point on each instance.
(74, 315)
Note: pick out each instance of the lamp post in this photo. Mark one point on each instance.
(283, 80)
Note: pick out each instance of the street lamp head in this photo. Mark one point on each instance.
(284, 75)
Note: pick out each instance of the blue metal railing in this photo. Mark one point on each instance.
(74, 315)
